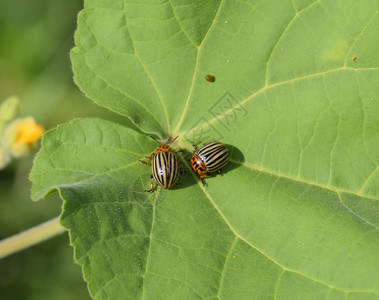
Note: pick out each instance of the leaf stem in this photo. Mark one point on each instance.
(30, 237)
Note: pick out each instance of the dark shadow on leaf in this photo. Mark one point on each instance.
(187, 178)
(185, 181)
(235, 155)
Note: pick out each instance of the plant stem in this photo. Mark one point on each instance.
(30, 237)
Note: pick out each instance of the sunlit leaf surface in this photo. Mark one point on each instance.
(295, 97)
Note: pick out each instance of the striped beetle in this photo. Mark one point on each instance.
(209, 158)
(166, 166)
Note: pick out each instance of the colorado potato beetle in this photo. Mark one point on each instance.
(166, 167)
(209, 158)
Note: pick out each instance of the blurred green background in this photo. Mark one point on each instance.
(35, 40)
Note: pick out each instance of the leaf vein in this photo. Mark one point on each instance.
(224, 266)
(186, 105)
(150, 77)
(281, 37)
(188, 248)
(357, 37)
(180, 281)
(140, 103)
(338, 131)
(180, 24)
(150, 242)
(297, 179)
(266, 88)
(277, 284)
(355, 214)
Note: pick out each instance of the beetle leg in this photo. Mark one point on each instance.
(151, 182)
(219, 171)
(149, 159)
(194, 146)
(151, 185)
(202, 179)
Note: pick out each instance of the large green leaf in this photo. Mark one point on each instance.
(296, 213)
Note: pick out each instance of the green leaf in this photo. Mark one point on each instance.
(295, 215)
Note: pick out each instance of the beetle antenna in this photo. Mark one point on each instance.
(154, 139)
(174, 139)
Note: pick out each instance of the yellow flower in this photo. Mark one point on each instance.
(28, 132)
(18, 137)
(21, 136)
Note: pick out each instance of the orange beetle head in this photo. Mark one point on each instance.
(163, 148)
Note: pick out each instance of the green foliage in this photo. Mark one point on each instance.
(35, 66)
(295, 214)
